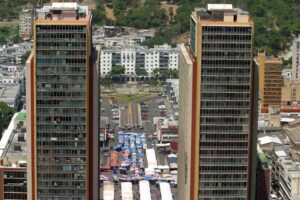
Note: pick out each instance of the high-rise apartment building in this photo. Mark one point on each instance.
(217, 153)
(62, 106)
(25, 24)
(270, 81)
(296, 59)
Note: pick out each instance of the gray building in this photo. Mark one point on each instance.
(296, 59)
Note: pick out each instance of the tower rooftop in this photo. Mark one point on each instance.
(62, 11)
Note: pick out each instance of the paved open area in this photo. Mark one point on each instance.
(132, 121)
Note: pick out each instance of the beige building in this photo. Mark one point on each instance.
(25, 24)
(185, 122)
(270, 81)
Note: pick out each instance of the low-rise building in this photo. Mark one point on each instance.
(11, 94)
(137, 57)
(13, 53)
(166, 129)
(25, 24)
(286, 174)
(13, 161)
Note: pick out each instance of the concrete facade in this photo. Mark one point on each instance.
(25, 24)
(296, 59)
(270, 81)
(185, 122)
(137, 57)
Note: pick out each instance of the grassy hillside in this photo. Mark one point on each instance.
(276, 21)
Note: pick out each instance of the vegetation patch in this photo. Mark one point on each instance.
(127, 97)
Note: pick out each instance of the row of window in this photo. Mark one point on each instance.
(61, 119)
(222, 112)
(61, 86)
(229, 29)
(59, 127)
(223, 176)
(61, 61)
(224, 96)
(60, 45)
(223, 128)
(56, 143)
(41, 53)
(67, 28)
(67, 103)
(223, 153)
(45, 36)
(223, 144)
(245, 64)
(227, 136)
(62, 78)
(232, 46)
(224, 104)
(223, 185)
(226, 38)
(53, 94)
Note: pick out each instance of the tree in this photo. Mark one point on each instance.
(156, 72)
(141, 72)
(118, 70)
(6, 114)
(106, 81)
(25, 57)
(152, 82)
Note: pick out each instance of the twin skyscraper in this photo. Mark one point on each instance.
(218, 106)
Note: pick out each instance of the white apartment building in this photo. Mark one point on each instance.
(138, 57)
(296, 59)
(286, 172)
(25, 24)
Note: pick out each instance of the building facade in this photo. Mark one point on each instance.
(13, 175)
(62, 106)
(290, 98)
(186, 69)
(136, 57)
(25, 24)
(270, 81)
(286, 174)
(223, 117)
(296, 59)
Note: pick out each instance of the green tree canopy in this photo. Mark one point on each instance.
(25, 57)
(118, 70)
(141, 72)
(6, 114)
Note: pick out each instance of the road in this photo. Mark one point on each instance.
(130, 114)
